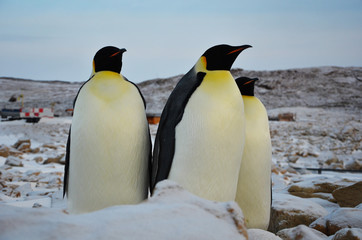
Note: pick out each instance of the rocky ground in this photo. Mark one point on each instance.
(326, 134)
(36, 94)
(323, 87)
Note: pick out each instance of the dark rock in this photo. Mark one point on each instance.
(20, 142)
(38, 159)
(322, 187)
(50, 146)
(338, 219)
(301, 232)
(349, 196)
(4, 151)
(348, 234)
(289, 211)
(24, 147)
(54, 160)
(355, 164)
(37, 205)
(35, 150)
(14, 162)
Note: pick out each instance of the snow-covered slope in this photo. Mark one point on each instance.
(38, 94)
(323, 87)
(306, 87)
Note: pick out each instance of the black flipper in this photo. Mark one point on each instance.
(66, 167)
(172, 113)
(67, 153)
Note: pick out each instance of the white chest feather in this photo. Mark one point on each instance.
(210, 138)
(253, 194)
(109, 146)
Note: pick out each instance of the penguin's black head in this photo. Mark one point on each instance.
(222, 57)
(246, 85)
(108, 59)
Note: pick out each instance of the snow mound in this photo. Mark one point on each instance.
(172, 213)
(257, 234)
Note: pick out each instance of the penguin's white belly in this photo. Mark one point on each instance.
(209, 142)
(253, 194)
(108, 153)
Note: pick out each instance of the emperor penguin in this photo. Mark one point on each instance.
(108, 151)
(254, 186)
(200, 137)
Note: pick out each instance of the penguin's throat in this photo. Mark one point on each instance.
(201, 64)
(108, 85)
(219, 82)
(107, 74)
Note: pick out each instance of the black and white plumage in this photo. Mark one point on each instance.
(254, 185)
(109, 147)
(199, 142)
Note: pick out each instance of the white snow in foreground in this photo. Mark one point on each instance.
(172, 213)
(307, 142)
(256, 234)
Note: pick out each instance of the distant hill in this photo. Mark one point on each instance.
(328, 87)
(307, 87)
(38, 93)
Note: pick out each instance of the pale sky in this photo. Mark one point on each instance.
(56, 40)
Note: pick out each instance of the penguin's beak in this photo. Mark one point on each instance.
(239, 49)
(251, 80)
(248, 82)
(119, 52)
